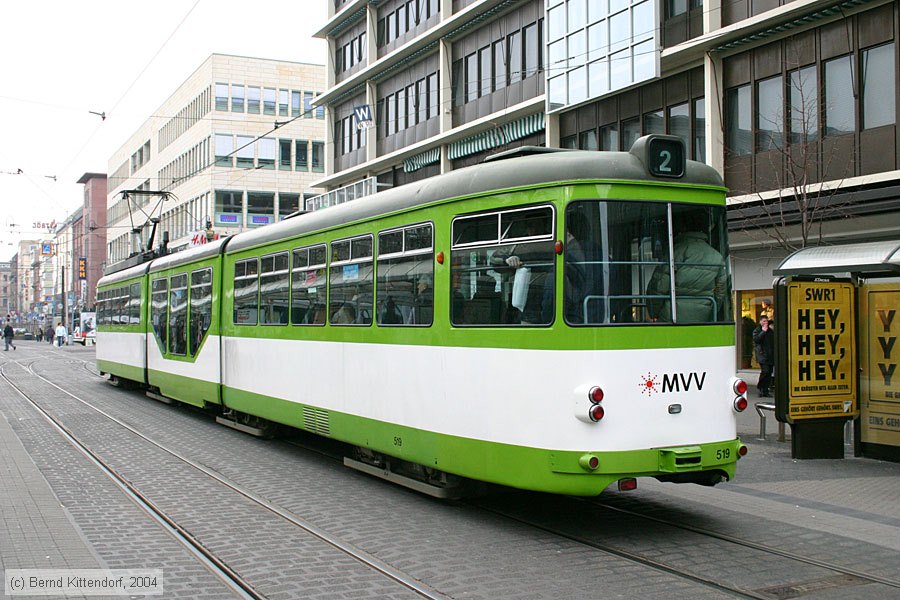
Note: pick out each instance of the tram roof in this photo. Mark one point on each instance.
(190, 255)
(124, 274)
(535, 169)
(863, 258)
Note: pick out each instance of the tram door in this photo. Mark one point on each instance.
(879, 327)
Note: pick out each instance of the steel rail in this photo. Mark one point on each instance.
(207, 558)
(753, 545)
(363, 557)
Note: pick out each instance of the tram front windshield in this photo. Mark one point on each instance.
(622, 257)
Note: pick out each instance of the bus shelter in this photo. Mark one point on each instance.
(837, 350)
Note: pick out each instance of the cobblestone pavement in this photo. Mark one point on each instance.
(847, 513)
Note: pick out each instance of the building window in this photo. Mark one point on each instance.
(769, 113)
(532, 39)
(654, 123)
(284, 151)
(804, 98)
(587, 140)
(514, 45)
(609, 137)
(680, 123)
(222, 96)
(283, 103)
(296, 107)
(472, 77)
(737, 118)
(244, 152)
(229, 208)
(433, 97)
(253, 100)
(224, 150)
(260, 208)
(839, 103)
(237, 98)
(318, 156)
(269, 101)
(288, 204)
(302, 160)
(307, 104)
(499, 65)
(700, 130)
(266, 153)
(631, 131)
(879, 87)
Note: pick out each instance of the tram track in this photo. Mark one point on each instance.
(752, 545)
(209, 560)
(612, 549)
(231, 578)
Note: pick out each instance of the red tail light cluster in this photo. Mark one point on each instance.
(595, 412)
(740, 388)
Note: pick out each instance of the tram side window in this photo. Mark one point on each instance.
(702, 278)
(246, 288)
(350, 281)
(118, 306)
(178, 300)
(274, 289)
(134, 304)
(502, 269)
(159, 311)
(618, 267)
(201, 307)
(613, 250)
(405, 279)
(308, 286)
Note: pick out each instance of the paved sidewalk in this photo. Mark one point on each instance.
(36, 531)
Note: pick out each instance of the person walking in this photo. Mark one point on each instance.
(764, 341)
(8, 335)
(62, 334)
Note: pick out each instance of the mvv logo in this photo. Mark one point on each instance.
(683, 382)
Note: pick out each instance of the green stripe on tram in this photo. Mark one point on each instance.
(553, 471)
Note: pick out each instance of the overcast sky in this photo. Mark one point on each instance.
(60, 59)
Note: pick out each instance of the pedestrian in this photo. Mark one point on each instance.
(62, 334)
(8, 334)
(764, 341)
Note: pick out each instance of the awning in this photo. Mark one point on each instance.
(418, 161)
(863, 258)
(509, 132)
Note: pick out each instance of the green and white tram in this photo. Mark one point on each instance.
(548, 320)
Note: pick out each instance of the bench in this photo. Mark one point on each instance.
(760, 407)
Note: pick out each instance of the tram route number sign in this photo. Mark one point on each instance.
(821, 350)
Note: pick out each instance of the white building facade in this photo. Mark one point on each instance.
(235, 147)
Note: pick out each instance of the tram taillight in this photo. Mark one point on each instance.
(740, 388)
(742, 451)
(596, 412)
(596, 395)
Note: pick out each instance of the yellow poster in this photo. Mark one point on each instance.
(821, 359)
(881, 407)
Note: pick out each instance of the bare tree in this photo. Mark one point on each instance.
(804, 178)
